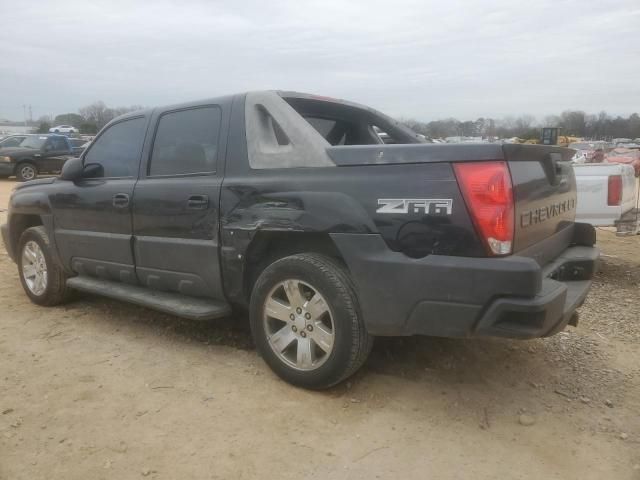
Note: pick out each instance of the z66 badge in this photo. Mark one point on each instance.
(427, 206)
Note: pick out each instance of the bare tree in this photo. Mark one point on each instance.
(99, 114)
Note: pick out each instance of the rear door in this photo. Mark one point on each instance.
(175, 208)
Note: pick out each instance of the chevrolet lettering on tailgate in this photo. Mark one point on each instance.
(539, 215)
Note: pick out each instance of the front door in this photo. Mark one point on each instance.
(175, 207)
(93, 215)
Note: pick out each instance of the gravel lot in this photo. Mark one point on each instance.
(100, 389)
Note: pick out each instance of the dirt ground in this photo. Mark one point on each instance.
(100, 389)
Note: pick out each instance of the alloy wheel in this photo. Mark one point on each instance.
(299, 325)
(27, 172)
(34, 268)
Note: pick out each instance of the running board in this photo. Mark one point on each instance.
(193, 308)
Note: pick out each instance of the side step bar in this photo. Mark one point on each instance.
(180, 305)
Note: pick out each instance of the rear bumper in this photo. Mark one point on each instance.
(463, 297)
(565, 285)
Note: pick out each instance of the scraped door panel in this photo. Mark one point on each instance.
(92, 234)
(176, 235)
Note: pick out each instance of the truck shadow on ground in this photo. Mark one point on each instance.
(568, 366)
(565, 367)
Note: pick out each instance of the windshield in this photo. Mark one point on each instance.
(33, 142)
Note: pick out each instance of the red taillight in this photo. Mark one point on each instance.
(614, 193)
(486, 187)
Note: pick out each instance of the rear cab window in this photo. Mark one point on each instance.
(292, 130)
(345, 123)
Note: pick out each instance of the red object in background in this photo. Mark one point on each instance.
(614, 193)
(598, 156)
(592, 151)
(626, 156)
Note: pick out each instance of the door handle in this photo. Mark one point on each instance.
(198, 202)
(120, 200)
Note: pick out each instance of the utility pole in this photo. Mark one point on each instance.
(24, 114)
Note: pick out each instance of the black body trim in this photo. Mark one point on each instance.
(462, 297)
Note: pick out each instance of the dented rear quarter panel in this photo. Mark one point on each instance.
(342, 200)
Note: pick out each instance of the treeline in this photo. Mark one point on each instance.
(92, 118)
(89, 119)
(573, 123)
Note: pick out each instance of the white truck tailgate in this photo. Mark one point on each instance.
(592, 180)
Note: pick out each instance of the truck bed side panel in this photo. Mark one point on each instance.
(348, 200)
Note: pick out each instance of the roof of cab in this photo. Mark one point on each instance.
(227, 99)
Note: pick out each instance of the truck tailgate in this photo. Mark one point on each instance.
(545, 197)
(592, 184)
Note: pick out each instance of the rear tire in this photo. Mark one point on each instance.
(43, 280)
(306, 321)
(26, 171)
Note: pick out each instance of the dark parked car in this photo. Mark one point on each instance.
(290, 206)
(36, 154)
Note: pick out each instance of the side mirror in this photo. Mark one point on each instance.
(72, 169)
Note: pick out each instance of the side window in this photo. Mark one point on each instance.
(13, 142)
(57, 144)
(186, 142)
(118, 149)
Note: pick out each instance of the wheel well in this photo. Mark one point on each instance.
(267, 247)
(19, 223)
(22, 161)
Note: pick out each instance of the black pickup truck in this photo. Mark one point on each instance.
(290, 206)
(34, 155)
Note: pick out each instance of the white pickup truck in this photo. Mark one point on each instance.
(607, 196)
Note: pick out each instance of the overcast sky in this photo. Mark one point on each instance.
(418, 59)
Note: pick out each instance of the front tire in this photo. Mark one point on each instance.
(26, 171)
(306, 321)
(42, 278)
